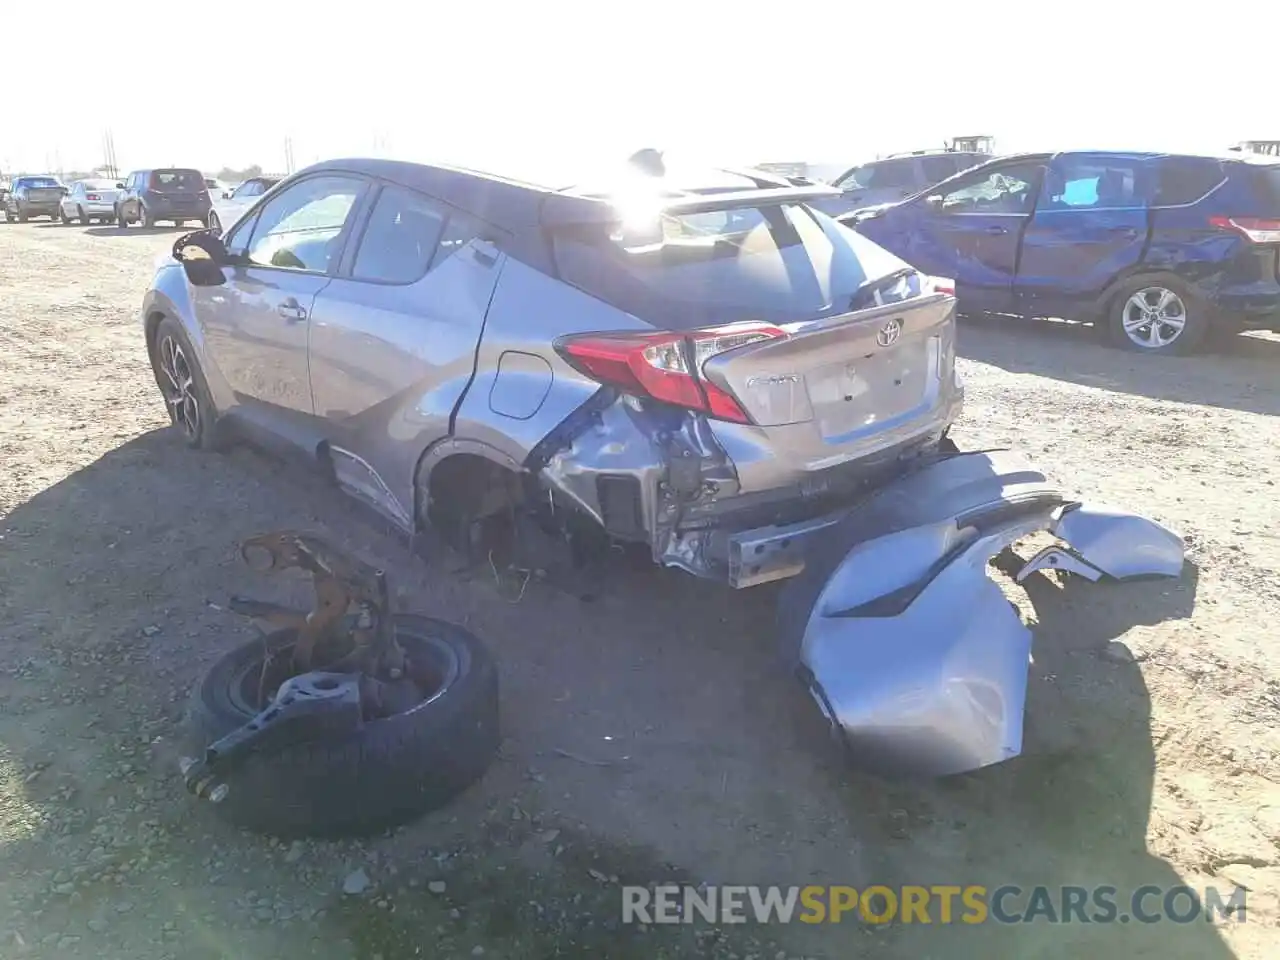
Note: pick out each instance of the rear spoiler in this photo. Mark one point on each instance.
(562, 209)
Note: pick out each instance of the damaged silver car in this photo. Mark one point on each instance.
(701, 364)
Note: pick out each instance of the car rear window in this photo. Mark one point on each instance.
(179, 180)
(38, 182)
(774, 264)
(1269, 183)
(99, 185)
(1186, 179)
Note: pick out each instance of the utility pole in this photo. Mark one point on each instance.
(288, 155)
(109, 155)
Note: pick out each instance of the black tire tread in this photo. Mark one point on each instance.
(385, 774)
(212, 436)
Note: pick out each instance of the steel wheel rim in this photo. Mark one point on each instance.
(439, 673)
(179, 388)
(1154, 317)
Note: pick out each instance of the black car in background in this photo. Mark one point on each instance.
(177, 194)
(32, 196)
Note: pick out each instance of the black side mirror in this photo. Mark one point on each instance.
(119, 186)
(202, 255)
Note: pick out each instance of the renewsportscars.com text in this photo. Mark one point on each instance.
(937, 903)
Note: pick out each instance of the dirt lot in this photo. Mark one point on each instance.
(117, 554)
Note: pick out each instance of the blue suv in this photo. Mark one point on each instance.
(1158, 250)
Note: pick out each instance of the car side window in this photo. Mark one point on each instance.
(896, 173)
(938, 168)
(400, 239)
(1004, 190)
(237, 241)
(857, 179)
(1094, 183)
(458, 232)
(1184, 180)
(302, 228)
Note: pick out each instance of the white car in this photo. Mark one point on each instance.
(89, 200)
(229, 209)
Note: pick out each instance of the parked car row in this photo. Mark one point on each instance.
(175, 194)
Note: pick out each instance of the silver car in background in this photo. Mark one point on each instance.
(89, 200)
(229, 205)
(704, 367)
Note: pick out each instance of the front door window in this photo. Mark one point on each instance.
(1002, 190)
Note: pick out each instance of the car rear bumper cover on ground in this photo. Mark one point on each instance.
(914, 655)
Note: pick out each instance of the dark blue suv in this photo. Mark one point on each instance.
(1159, 250)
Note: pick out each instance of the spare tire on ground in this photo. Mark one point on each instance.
(385, 772)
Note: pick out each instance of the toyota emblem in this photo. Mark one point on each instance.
(889, 333)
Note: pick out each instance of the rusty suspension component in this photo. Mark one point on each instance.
(352, 603)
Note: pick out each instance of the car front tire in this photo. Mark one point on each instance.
(184, 388)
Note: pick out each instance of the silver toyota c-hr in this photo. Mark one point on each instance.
(696, 365)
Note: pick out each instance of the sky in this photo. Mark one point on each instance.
(559, 84)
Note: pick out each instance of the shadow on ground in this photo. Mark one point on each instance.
(1242, 373)
(115, 230)
(650, 731)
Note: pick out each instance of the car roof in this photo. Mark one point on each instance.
(1249, 158)
(516, 205)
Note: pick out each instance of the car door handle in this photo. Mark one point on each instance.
(292, 311)
(995, 230)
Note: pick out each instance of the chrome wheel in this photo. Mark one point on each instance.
(1154, 317)
(178, 385)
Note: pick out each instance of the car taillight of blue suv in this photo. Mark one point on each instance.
(1159, 251)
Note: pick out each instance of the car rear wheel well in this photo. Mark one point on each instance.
(466, 498)
(490, 512)
(151, 325)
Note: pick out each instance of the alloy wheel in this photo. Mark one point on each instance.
(179, 387)
(1154, 317)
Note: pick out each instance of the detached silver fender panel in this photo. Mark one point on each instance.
(1106, 541)
(911, 651)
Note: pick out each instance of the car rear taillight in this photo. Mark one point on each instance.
(91, 196)
(665, 366)
(943, 285)
(1256, 229)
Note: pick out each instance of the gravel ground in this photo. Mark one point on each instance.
(1152, 738)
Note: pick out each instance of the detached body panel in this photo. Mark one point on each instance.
(913, 654)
